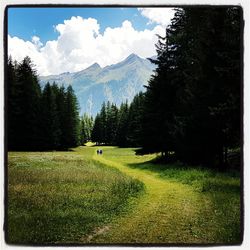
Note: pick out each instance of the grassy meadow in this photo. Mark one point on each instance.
(59, 197)
(118, 198)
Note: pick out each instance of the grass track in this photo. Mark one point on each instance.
(168, 212)
(79, 197)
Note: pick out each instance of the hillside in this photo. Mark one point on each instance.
(115, 83)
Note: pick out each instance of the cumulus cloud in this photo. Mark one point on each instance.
(161, 16)
(19, 48)
(36, 41)
(80, 44)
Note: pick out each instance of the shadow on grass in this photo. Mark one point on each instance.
(201, 178)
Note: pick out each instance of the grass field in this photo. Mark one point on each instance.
(118, 198)
(59, 197)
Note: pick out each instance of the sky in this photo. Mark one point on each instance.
(71, 39)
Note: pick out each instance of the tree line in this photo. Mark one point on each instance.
(119, 126)
(39, 119)
(192, 104)
(191, 107)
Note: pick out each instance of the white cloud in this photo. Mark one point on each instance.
(161, 16)
(36, 41)
(19, 48)
(80, 44)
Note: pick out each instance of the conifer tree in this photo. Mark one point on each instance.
(29, 96)
(135, 124)
(50, 119)
(122, 126)
(193, 99)
(13, 102)
(72, 128)
(112, 122)
(96, 132)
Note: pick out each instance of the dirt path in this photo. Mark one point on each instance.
(168, 212)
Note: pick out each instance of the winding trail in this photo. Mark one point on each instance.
(167, 212)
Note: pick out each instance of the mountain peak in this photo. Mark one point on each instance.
(132, 57)
(94, 66)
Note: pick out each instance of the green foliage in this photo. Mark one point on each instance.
(50, 120)
(192, 103)
(72, 124)
(39, 119)
(112, 123)
(86, 124)
(122, 126)
(135, 123)
(24, 105)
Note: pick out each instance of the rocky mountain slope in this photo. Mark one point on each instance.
(115, 83)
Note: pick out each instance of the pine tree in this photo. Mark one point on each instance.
(112, 122)
(13, 105)
(192, 102)
(135, 124)
(96, 132)
(51, 127)
(122, 126)
(28, 134)
(71, 126)
(103, 124)
(159, 102)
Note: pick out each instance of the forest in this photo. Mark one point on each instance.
(190, 110)
(39, 119)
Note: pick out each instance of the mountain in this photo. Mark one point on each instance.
(115, 83)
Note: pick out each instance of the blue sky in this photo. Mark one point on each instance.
(70, 39)
(27, 22)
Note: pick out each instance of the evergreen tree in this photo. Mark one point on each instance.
(39, 120)
(96, 132)
(160, 101)
(196, 86)
(13, 102)
(28, 97)
(103, 124)
(208, 87)
(112, 122)
(122, 126)
(51, 127)
(72, 126)
(135, 123)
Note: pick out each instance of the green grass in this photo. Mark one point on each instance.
(118, 198)
(59, 197)
(201, 206)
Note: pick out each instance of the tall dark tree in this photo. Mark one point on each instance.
(135, 118)
(50, 119)
(13, 102)
(196, 86)
(211, 83)
(122, 126)
(39, 119)
(25, 94)
(160, 101)
(96, 132)
(72, 126)
(112, 122)
(103, 124)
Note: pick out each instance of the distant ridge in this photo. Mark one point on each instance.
(115, 83)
